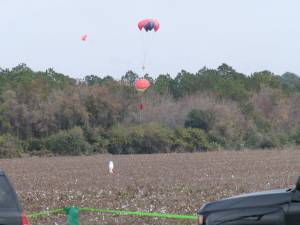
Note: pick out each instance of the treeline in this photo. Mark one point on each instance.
(51, 113)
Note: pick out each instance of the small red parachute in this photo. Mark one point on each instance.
(142, 85)
(149, 25)
(84, 37)
(141, 106)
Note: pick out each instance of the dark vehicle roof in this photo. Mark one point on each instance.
(8, 196)
(259, 199)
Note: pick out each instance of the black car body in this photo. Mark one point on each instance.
(276, 207)
(10, 209)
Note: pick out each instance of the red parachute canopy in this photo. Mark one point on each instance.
(142, 85)
(84, 37)
(149, 24)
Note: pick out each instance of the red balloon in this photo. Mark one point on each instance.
(84, 37)
(142, 85)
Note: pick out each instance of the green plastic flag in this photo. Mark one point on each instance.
(72, 215)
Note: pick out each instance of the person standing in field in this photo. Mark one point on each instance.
(111, 167)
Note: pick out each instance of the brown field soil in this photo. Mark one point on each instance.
(170, 183)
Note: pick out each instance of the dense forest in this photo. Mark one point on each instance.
(51, 113)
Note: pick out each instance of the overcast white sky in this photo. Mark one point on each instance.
(250, 35)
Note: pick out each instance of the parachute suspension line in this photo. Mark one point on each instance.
(148, 27)
(141, 111)
(144, 51)
(141, 86)
(144, 63)
(141, 108)
(148, 40)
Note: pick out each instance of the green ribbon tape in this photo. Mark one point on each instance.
(118, 212)
(148, 214)
(44, 213)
